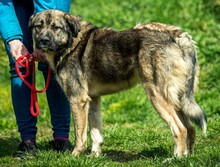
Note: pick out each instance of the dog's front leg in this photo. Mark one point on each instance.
(79, 106)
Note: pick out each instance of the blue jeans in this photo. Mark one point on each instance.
(58, 103)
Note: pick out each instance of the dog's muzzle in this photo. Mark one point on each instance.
(44, 42)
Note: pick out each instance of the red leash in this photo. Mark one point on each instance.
(34, 108)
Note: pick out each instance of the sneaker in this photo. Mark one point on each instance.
(28, 146)
(60, 145)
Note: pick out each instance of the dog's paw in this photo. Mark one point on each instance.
(76, 151)
(96, 149)
(96, 153)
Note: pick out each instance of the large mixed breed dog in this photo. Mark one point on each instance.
(90, 62)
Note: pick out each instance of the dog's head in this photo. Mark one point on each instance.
(53, 29)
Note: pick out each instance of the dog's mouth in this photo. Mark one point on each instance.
(44, 48)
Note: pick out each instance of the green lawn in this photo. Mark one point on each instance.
(134, 133)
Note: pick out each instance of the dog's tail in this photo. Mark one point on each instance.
(188, 102)
(194, 112)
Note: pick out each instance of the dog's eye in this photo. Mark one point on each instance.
(38, 26)
(54, 27)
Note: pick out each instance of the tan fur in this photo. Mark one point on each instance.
(90, 62)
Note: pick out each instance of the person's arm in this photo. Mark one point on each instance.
(9, 25)
(10, 30)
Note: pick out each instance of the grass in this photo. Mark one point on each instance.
(134, 133)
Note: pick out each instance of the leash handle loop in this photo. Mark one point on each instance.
(25, 62)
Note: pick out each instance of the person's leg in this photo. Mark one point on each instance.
(59, 110)
(20, 92)
(58, 104)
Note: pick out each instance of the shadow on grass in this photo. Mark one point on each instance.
(122, 156)
(8, 146)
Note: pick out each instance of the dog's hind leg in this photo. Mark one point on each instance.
(95, 123)
(190, 130)
(168, 113)
(154, 78)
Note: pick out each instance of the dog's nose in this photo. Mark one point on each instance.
(44, 40)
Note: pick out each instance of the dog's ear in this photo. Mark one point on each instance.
(73, 23)
(30, 24)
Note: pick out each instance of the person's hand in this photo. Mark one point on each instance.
(17, 49)
(38, 55)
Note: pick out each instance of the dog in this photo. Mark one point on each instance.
(89, 62)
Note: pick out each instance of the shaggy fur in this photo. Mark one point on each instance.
(90, 62)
